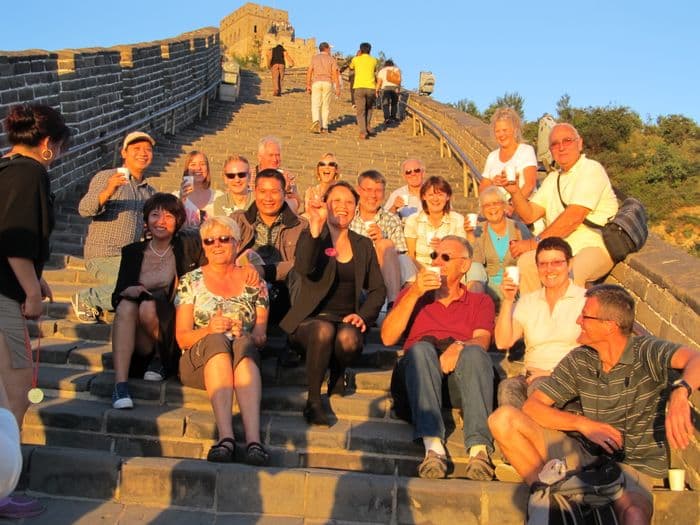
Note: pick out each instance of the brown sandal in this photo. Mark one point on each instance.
(220, 453)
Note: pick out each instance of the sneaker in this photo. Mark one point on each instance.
(85, 313)
(17, 506)
(120, 396)
(315, 127)
(155, 370)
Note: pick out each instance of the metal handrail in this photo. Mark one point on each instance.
(469, 170)
(169, 109)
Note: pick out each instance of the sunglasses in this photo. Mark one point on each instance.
(415, 171)
(445, 256)
(223, 239)
(233, 175)
(331, 164)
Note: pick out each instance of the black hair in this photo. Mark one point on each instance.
(366, 48)
(271, 173)
(343, 184)
(554, 243)
(28, 124)
(167, 202)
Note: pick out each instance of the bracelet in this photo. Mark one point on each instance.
(682, 383)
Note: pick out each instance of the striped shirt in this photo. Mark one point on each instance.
(388, 223)
(630, 397)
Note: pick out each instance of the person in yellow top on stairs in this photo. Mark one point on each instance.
(365, 84)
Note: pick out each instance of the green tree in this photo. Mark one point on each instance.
(564, 109)
(605, 128)
(511, 100)
(468, 106)
(676, 129)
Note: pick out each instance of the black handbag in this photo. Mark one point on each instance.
(624, 233)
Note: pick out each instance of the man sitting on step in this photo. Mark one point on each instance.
(271, 229)
(624, 385)
(114, 201)
(445, 362)
(385, 230)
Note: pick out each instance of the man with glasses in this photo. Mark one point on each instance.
(545, 318)
(405, 201)
(624, 384)
(238, 195)
(580, 191)
(445, 363)
(385, 230)
(271, 229)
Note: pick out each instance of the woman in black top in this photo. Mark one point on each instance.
(333, 265)
(38, 135)
(144, 293)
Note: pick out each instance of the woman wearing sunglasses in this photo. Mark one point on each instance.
(333, 265)
(220, 321)
(238, 195)
(142, 336)
(195, 191)
(327, 173)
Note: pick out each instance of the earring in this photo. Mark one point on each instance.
(47, 154)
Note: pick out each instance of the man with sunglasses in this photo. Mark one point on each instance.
(271, 229)
(405, 201)
(580, 191)
(445, 363)
(625, 385)
(385, 230)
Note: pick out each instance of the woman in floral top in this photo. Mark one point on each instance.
(221, 317)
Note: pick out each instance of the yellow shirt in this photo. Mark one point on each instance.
(364, 66)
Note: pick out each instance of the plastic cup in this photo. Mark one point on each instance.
(434, 269)
(125, 173)
(676, 479)
(472, 219)
(513, 272)
(510, 173)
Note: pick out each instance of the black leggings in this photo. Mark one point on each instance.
(326, 344)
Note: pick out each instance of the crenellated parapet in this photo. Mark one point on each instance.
(102, 90)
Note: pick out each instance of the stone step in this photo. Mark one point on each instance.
(90, 486)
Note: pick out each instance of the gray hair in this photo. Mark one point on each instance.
(270, 139)
(488, 190)
(461, 240)
(223, 221)
(403, 164)
(616, 304)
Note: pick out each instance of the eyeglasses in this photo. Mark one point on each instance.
(236, 174)
(552, 264)
(593, 317)
(445, 256)
(566, 142)
(372, 190)
(223, 239)
(415, 171)
(324, 164)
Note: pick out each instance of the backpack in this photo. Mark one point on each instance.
(584, 496)
(624, 233)
(393, 75)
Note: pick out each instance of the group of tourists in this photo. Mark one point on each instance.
(195, 277)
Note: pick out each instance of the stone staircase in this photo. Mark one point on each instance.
(93, 463)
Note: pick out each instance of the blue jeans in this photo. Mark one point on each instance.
(419, 384)
(106, 270)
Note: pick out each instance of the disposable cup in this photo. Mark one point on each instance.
(125, 173)
(472, 219)
(676, 479)
(510, 173)
(514, 273)
(434, 269)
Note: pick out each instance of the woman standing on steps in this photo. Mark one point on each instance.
(220, 319)
(195, 191)
(327, 172)
(38, 135)
(143, 341)
(333, 265)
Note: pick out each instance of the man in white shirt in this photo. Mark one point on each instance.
(406, 200)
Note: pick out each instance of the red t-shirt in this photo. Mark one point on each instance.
(472, 311)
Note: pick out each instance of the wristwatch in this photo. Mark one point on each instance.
(678, 383)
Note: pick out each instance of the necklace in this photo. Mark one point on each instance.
(161, 255)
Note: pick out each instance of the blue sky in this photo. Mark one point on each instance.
(640, 54)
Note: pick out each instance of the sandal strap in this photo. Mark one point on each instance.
(221, 442)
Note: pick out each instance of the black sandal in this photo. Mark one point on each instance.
(220, 453)
(256, 455)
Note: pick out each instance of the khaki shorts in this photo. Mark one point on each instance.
(561, 446)
(14, 337)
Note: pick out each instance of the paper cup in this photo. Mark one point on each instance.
(434, 269)
(514, 273)
(125, 173)
(472, 219)
(676, 479)
(510, 173)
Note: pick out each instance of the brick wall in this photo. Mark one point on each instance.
(100, 90)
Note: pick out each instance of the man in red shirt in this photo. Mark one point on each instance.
(449, 333)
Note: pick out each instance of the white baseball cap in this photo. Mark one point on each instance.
(135, 136)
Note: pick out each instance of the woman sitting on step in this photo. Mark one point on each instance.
(195, 191)
(327, 173)
(221, 317)
(142, 334)
(332, 267)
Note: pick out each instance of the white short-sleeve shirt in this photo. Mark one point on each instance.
(418, 227)
(523, 157)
